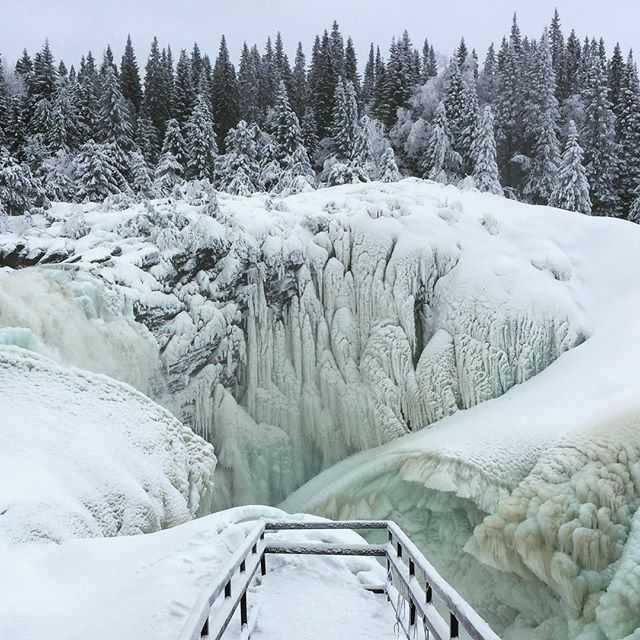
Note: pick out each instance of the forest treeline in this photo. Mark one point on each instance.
(548, 120)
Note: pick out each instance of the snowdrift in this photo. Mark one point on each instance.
(82, 455)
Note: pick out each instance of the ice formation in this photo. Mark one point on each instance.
(295, 333)
(82, 455)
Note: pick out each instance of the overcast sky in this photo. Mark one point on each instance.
(75, 26)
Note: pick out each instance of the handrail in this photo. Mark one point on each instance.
(403, 558)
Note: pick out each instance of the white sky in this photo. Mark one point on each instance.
(75, 26)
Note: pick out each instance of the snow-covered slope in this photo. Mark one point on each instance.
(82, 455)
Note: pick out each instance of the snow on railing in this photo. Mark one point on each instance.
(412, 577)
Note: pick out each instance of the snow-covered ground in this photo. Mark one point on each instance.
(479, 356)
(82, 455)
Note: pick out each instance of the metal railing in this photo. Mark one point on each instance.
(412, 576)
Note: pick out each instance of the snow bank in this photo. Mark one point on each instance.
(82, 455)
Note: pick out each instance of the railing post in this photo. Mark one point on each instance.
(453, 626)
(428, 593)
(263, 564)
(227, 589)
(205, 628)
(412, 605)
(243, 610)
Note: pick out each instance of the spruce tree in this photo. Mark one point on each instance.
(541, 124)
(601, 150)
(171, 168)
(323, 86)
(487, 79)
(297, 173)
(455, 102)
(184, 93)
(509, 105)
(156, 91)
(240, 170)
(141, 181)
(201, 142)
(556, 38)
(249, 102)
(225, 97)
(20, 191)
(64, 134)
(95, 173)
(571, 189)
(441, 163)
(616, 73)
(267, 79)
(351, 67)
(629, 166)
(299, 83)
(369, 80)
(388, 168)
(345, 120)
(485, 173)
(130, 84)
(88, 99)
(572, 67)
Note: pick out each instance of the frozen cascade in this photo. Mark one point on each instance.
(295, 333)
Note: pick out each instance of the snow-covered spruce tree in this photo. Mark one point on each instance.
(541, 121)
(345, 125)
(141, 181)
(350, 138)
(225, 98)
(201, 142)
(270, 169)
(115, 124)
(629, 123)
(572, 187)
(485, 172)
(184, 93)
(171, 168)
(240, 170)
(64, 133)
(130, 84)
(441, 163)
(601, 150)
(20, 191)
(388, 168)
(95, 173)
(455, 101)
(297, 174)
(509, 106)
